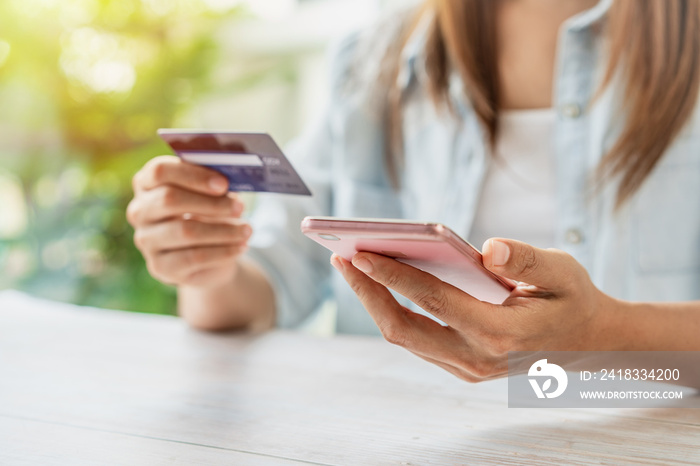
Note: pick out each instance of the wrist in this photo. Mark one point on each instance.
(213, 279)
(609, 329)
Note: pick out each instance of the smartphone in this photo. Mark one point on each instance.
(430, 247)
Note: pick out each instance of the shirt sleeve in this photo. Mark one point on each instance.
(298, 268)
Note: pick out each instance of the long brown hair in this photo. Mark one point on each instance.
(654, 47)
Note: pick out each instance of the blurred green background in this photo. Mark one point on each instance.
(84, 84)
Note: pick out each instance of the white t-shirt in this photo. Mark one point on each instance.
(517, 199)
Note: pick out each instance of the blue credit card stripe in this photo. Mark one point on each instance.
(224, 159)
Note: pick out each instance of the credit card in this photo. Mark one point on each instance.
(252, 162)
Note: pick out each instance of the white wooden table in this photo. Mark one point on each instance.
(85, 386)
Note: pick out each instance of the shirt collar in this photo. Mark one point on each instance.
(413, 55)
(589, 18)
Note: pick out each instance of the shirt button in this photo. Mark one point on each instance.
(573, 236)
(571, 110)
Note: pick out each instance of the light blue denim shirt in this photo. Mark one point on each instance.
(647, 251)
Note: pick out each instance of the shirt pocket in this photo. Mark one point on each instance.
(667, 213)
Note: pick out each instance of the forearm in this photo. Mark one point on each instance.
(247, 302)
(653, 327)
(647, 336)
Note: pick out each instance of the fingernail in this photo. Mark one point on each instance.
(363, 265)
(237, 208)
(337, 263)
(218, 184)
(247, 231)
(500, 253)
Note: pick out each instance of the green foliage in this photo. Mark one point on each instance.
(84, 84)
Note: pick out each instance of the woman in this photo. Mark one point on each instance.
(570, 124)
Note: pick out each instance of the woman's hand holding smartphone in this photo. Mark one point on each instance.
(559, 309)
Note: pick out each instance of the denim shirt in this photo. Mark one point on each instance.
(649, 250)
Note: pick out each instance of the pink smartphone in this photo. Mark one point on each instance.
(430, 247)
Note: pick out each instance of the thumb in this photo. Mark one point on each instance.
(519, 261)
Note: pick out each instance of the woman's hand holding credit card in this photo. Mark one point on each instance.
(186, 217)
(252, 162)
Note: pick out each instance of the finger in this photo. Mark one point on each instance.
(176, 266)
(386, 312)
(545, 268)
(452, 349)
(168, 201)
(454, 370)
(442, 300)
(399, 325)
(472, 373)
(170, 170)
(181, 234)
